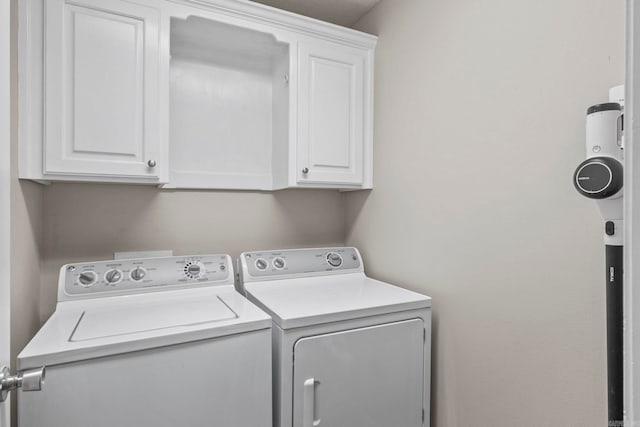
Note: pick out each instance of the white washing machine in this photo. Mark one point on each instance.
(156, 342)
(349, 351)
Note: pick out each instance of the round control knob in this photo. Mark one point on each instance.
(113, 276)
(261, 264)
(87, 278)
(334, 259)
(193, 270)
(138, 274)
(279, 263)
(599, 177)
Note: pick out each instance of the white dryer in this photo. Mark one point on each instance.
(156, 342)
(349, 351)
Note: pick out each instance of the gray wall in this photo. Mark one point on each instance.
(479, 125)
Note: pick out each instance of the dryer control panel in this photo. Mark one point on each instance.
(103, 278)
(289, 263)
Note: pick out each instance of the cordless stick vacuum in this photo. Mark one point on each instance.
(600, 178)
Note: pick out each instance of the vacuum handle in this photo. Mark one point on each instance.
(615, 372)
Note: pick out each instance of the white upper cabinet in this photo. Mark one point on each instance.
(331, 114)
(102, 90)
(213, 94)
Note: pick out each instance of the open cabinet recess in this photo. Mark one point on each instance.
(228, 105)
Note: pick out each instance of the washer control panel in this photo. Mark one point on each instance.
(141, 274)
(299, 262)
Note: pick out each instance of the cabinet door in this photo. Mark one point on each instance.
(102, 89)
(331, 114)
(369, 377)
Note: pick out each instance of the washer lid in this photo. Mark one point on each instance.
(309, 301)
(92, 328)
(142, 316)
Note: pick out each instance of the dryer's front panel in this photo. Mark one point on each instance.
(367, 377)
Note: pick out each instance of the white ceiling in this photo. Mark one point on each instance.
(341, 12)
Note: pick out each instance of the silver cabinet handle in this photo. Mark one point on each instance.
(152, 163)
(28, 381)
(305, 171)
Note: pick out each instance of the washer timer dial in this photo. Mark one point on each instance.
(193, 270)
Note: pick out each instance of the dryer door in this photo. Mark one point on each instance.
(368, 377)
